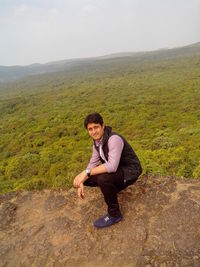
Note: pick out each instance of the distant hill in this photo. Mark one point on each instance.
(17, 72)
(12, 73)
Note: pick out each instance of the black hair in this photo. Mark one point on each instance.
(93, 118)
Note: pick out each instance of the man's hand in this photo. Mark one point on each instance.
(80, 191)
(80, 178)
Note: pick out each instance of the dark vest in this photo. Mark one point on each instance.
(129, 161)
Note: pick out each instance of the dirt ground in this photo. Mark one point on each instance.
(160, 227)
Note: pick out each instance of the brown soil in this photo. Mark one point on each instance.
(160, 227)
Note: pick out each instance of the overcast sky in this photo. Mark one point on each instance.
(47, 30)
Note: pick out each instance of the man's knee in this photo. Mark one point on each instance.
(103, 179)
(91, 182)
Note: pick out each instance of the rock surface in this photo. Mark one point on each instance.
(160, 227)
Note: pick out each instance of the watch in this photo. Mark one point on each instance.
(88, 172)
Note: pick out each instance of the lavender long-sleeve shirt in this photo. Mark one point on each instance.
(115, 147)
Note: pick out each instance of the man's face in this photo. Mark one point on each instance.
(95, 130)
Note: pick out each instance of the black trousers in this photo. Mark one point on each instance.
(110, 184)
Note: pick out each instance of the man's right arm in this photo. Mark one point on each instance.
(94, 162)
(95, 159)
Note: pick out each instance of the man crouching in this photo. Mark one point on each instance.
(113, 166)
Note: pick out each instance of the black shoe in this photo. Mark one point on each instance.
(107, 220)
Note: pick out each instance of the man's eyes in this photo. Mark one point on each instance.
(95, 128)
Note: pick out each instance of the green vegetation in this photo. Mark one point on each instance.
(153, 102)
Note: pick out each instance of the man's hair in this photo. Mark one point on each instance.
(93, 118)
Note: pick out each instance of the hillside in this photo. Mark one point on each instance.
(160, 227)
(152, 101)
(13, 73)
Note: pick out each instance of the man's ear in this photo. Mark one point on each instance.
(103, 125)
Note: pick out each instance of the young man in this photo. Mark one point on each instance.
(119, 167)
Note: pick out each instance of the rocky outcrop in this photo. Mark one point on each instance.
(160, 227)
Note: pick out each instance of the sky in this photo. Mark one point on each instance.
(40, 31)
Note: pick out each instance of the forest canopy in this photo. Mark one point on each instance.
(153, 102)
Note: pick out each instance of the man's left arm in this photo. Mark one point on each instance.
(115, 146)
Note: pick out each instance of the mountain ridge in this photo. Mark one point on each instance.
(13, 73)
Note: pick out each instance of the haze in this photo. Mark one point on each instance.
(34, 31)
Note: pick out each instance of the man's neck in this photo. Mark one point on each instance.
(99, 141)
